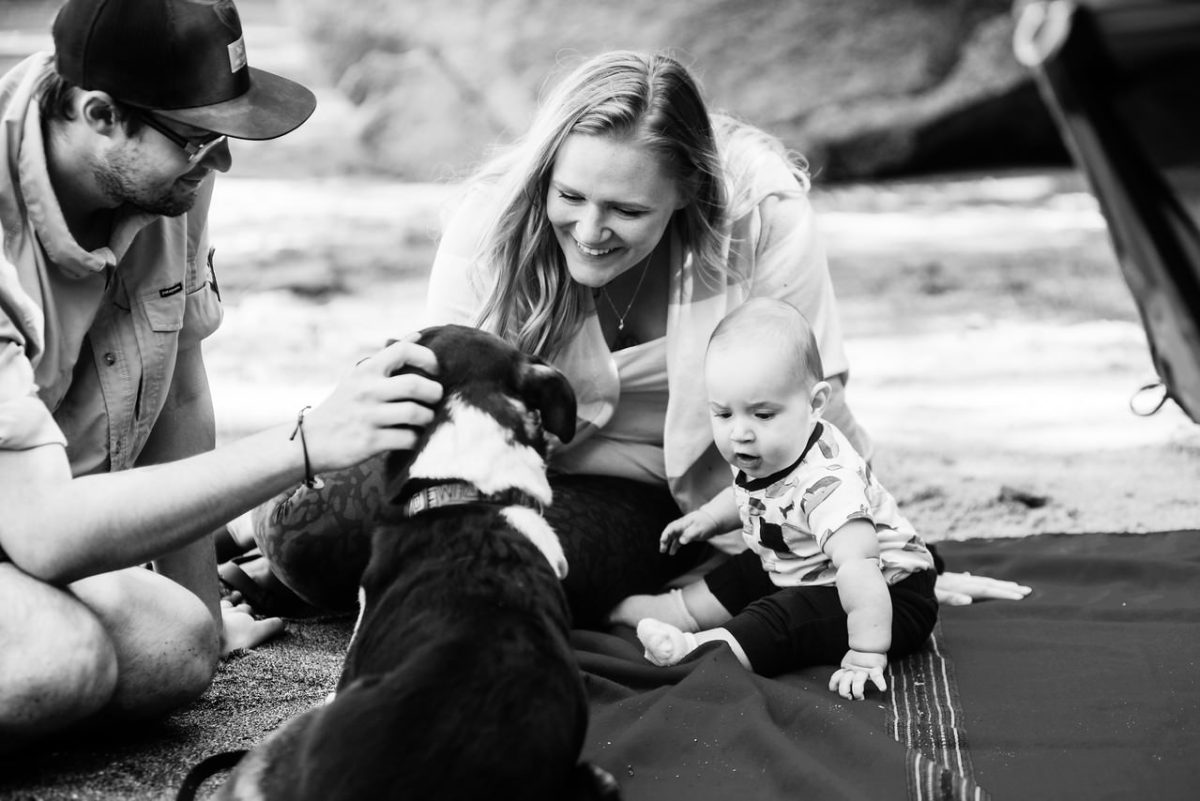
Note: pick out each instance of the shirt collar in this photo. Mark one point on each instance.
(47, 218)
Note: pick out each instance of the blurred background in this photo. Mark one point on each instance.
(994, 344)
(862, 88)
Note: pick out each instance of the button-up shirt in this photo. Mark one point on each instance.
(88, 338)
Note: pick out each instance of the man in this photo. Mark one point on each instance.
(107, 460)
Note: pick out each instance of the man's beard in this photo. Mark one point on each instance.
(119, 178)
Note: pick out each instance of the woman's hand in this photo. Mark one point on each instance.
(698, 525)
(960, 589)
(372, 410)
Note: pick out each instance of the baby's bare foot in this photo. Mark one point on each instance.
(665, 644)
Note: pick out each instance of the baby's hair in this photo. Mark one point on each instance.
(767, 322)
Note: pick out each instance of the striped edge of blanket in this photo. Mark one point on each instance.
(925, 715)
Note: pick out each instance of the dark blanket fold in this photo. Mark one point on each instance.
(709, 729)
(1089, 688)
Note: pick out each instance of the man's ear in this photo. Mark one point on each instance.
(99, 112)
(818, 398)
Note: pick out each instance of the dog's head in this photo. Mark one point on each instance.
(489, 428)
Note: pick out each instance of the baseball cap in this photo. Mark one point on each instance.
(183, 59)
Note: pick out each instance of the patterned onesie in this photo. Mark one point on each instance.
(781, 591)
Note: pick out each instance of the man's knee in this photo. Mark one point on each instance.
(191, 651)
(167, 642)
(59, 665)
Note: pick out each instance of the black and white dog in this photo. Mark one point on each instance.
(460, 682)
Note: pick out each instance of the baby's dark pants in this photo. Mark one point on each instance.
(783, 629)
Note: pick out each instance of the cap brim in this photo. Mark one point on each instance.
(272, 107)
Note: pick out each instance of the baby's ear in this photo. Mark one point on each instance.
(818, 398)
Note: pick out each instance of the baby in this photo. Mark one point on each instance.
(833, 574)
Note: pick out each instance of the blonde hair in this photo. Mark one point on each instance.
(650, 99)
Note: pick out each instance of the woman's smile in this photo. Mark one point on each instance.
(594, 252)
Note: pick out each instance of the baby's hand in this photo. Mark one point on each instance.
(694, 526)
(850, 680)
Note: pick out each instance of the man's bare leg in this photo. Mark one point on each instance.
(166, 640)
(129, 643)
(57, 663)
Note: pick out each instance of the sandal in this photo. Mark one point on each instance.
(269, 596)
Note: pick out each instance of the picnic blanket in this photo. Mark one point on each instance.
(1086, 689)
(1089, 688)
(709, 729)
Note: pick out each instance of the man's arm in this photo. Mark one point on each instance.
(59, 528)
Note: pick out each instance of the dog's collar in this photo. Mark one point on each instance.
(457, 493)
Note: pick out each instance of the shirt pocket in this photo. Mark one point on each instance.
(164, 308)
(202, 310)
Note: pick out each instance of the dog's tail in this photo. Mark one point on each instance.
(593, 783)
(206, 768)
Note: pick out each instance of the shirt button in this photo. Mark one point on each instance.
(110, 358)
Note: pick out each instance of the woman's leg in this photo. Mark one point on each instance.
(318, 541)
(609, 528)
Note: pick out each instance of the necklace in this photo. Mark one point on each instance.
(621, 317)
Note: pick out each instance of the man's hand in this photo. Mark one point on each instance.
(698, 525)
(372, 410)
(240, 629)
(850, 680)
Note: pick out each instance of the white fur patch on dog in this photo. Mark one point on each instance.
(538, 531)
(474, 447)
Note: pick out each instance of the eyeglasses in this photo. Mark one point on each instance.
(195, 150)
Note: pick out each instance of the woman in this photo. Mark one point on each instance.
(610, 240)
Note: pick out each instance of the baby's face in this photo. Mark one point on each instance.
(761, 411)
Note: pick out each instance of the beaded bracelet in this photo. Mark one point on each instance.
(310, 481)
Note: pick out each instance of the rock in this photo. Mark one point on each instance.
(862, 88)
(1024, 497)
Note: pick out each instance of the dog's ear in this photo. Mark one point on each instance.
(546, 389)
(593, 783)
